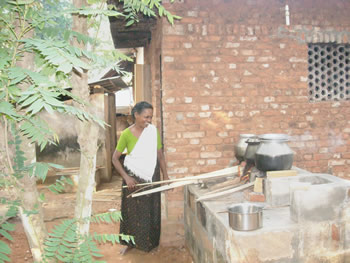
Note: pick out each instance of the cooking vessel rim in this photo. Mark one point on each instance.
(256, 209)
(252, 141)
(274, 137)
(247, 135)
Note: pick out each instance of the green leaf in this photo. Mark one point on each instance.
(8, 226)
(4, 248)
(42, 197)
(65, 67)
(50, 98)
(16, 75)
(38, 78)
(48, 108)
(8, 109)
(36, 106)
(5, 234)
(3, 257)
(129, 23)
(23, 2)
(14, 91)
(170, 18)
(27, 100)
(41, 170)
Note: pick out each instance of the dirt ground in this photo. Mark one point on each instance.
(107, 196)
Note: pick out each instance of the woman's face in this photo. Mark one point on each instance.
(144, 118)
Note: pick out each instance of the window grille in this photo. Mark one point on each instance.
(329, 70)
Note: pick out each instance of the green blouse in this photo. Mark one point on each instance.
(128, 140)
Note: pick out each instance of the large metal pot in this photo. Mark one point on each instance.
(241, 146)
(245, 216)
(253, 144)
(273, 153)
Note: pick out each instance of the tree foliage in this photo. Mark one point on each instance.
(42, 28)
(65, 245)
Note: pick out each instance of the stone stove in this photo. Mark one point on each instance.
(307, 219)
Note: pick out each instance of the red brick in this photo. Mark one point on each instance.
(254, 197)
(193, 155)
(322, 156)
(308, 157)
(335, 233)
(176, 156)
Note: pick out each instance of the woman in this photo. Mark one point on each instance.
(140, 215)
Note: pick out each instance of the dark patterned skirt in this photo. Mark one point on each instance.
(141, 216)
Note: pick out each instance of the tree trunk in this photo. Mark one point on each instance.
(26, 192)
(33, 224)
(87, 138)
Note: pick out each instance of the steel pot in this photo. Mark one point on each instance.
(241, 146)
(253, 144)
(245, 216)
(273, 153)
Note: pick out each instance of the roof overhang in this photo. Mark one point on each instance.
(136, 35)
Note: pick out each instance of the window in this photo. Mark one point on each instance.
(329, 70)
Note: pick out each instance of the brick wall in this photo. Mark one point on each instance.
(232, 67)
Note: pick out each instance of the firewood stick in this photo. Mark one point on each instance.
(224, 188)
(164, 187)
(230, 191)
(220, 173)
(140, 189)
(226, 183)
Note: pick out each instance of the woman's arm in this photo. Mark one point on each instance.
(162, 164)
(131, 182)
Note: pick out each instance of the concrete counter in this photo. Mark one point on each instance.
(281, 239)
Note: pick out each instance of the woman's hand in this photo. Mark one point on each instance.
(131, 182)
(162, 164)
(165, 176)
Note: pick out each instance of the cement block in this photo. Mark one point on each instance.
(260, 246)
(278, 190)
(317, 202)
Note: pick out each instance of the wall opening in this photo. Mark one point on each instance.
(328, 71)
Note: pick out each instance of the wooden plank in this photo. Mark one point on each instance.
(207, 176)
(138, 83)
(282, 173)
(107, 175)
(112, 122)
(230, 191)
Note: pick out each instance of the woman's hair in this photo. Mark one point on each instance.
(140, 107)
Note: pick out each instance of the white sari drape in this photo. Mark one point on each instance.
(143, 158)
